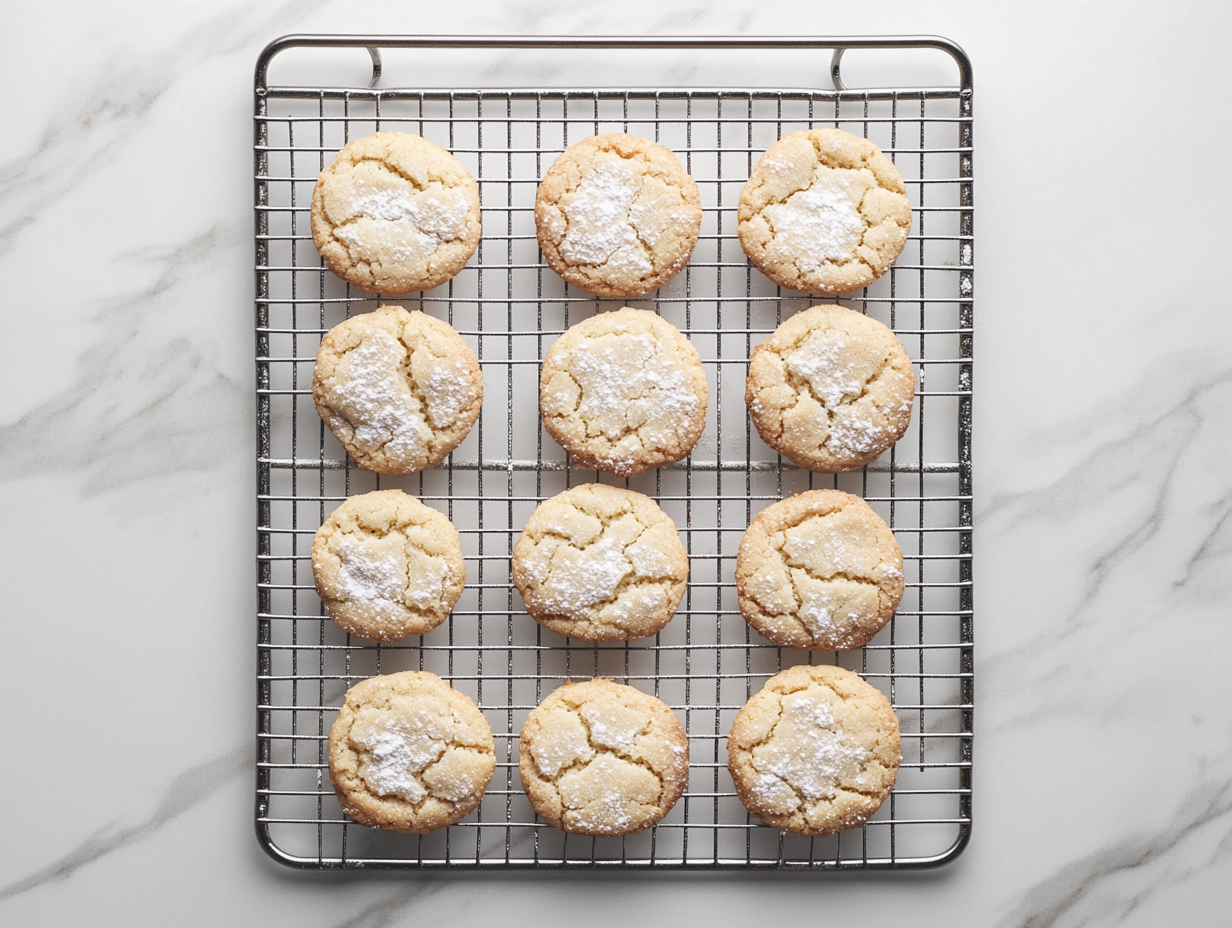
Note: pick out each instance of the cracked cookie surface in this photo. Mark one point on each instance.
(600, 563)
(819, 571)
(395, 214)
(409, 753)
(824, 211)
(387, 566)
(399, 390)
(623, 391)
(603, 759)
(617, 215)
(830, 389)
(815, 751)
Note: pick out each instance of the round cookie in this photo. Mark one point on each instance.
(617, 215)
(409, 753)
(824, 211)
(819, 571)
(395, 214)
(600, 563)
(623, 391)
(387, 566)
(602, 759)
(830, 389)
(399, 390)
(815, 751)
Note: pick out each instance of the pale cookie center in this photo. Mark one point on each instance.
(401, 223)
(573, 579)
(615, 727)
(804, 754)
(627, 383)
(827, 574)
(371, 394)
(578, 751)
(369, 571)
(602, 218)
(396, 750)
(822, 223)
(837, 374)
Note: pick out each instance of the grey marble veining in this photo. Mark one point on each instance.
(1103, 783)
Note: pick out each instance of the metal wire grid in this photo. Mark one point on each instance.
(510, 307)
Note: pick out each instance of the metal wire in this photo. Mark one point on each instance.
(510, 308)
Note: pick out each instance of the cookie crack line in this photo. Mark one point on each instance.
(579, 764)
(802, 384)
(647, 250)
(419, 777)
(837, 575)
(627, 429)
(871, 793)
(631, 581)
(394, 169)
(826, 262)
(616, 752)
(433, 441)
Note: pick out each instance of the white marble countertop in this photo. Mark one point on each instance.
(1103, 784)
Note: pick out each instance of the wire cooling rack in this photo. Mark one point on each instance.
(510, 307)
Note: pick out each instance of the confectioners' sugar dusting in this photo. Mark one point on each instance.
(819, 540)
(371, 394)
(890, 572)
(831, 368)
(407, 223)
(805, 752)
(367, 574)
(614, 727)
(601, 231)
(606, 757)
(448, 391)
(824, 362)
(593, 578)
(820, 224)
(425, 576)
(853, 431)
(816, 614)
(399, 748)
(648, 560)
(614, 373)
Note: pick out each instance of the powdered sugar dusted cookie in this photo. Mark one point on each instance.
(399, 390)
(409, 753)
(831, 389)
(815, 751)
(824, 211)
(599, 562)
(603, 759)
(623, 392)
(395, 214)
(387, 566)
(617, 215)
(819, 571)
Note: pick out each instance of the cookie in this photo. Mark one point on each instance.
(409, 753)
(387, 566)
(399, 390)
(602, 759)
(823, 211)
(819, 571)
(395, 214)
(830, 389)
(623, 392)
(617, 215)
(600, 563)
(815, 751)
